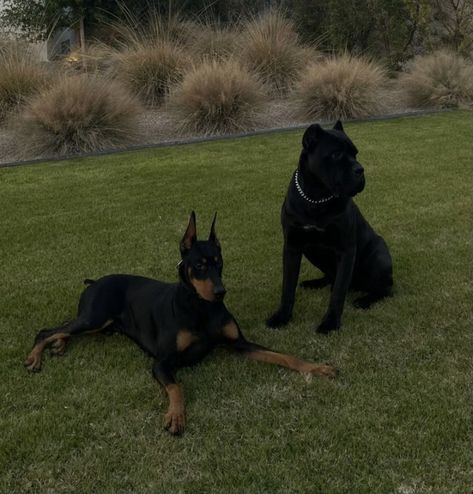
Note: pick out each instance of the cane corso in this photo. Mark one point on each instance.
(321, 221)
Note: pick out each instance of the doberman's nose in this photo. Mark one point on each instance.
(219, 292)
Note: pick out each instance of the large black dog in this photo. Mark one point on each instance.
(321, 222)
(177, 323)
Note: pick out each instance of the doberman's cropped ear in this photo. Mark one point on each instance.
(190, 236)
(312, 136)
(212, 234)
(338, 126)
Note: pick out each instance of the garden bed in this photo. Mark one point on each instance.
(163, 81)
(158, 127)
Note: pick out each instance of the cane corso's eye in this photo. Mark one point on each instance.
(337, 156)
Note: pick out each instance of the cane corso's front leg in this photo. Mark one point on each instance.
(333, 316)
(175, 417)
(291, 267)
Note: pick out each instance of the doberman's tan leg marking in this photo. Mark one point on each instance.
(58, 342)
(230, 331)
(184, 339)
(58, 347)
(175, 418)
(33, 361)
(292, 363)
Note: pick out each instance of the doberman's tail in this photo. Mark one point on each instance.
(88, 281)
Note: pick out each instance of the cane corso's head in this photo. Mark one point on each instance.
(330, 156)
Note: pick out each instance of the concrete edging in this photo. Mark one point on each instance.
(196, 140)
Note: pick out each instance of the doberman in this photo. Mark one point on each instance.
(177, 323)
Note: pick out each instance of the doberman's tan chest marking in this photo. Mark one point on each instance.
(230, 331)
(184, 339)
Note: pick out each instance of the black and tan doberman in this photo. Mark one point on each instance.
(177, 323)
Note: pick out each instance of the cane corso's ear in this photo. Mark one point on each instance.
(190, 236)
(338, 126)
(312, 136)
(212, 234)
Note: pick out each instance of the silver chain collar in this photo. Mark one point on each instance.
(301, 192)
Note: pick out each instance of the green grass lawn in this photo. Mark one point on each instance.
(396, 420)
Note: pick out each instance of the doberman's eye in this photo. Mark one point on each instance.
(337, 156)
(201, 266)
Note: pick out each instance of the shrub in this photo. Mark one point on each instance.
(269, 45)
(78, 114)
(136, 31)
(217, 97)
(340, 87)
(211, 40)
(443, 79)
(20, 77)
(149, 70)
(148, 54)
(96, 58)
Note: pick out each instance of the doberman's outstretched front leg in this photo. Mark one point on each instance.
(175, 417)
(258, 352)
(235, 340)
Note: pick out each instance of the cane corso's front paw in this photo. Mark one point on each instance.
(330, 322)
(364, 302)
(278, 319)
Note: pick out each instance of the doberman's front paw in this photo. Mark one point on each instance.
(329, 323)
(278, 319)
(175, 421)
(324, 370)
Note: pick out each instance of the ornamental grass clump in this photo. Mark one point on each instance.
(96, 58)
(149, 55)
(21, 76)
(340, 87)
(79, 114)
(134, 31)
(212, 40)
(443, 79)
(149, 70)
(217, 97)
(269, 46)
